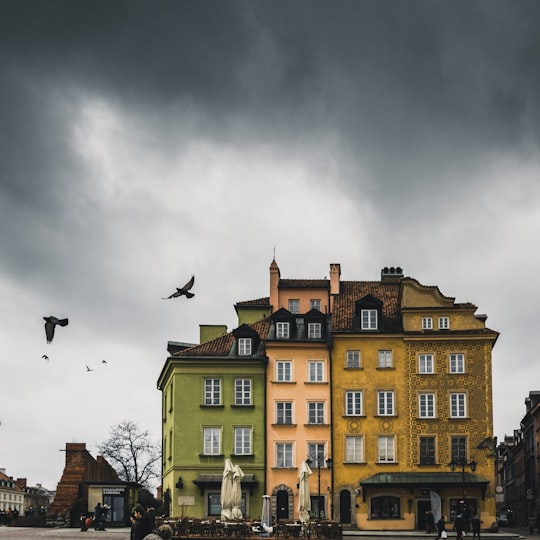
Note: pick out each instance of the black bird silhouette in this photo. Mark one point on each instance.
(45, 357)
(104, 361)
(184, 291)
(88, 369)
(50, 325)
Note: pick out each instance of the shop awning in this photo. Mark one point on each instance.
(427, 480)
(210, 481)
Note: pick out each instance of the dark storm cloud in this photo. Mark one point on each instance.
(385, 74)
(415, 93)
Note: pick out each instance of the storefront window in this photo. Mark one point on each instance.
(385, 507)
(214, 503)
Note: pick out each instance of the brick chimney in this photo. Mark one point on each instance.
(392, 273)
(274, 283)
(335, 275)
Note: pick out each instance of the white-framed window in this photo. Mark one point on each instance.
(458, 405)
(212, 391)
(353, 359)
(244, 346)
(242, 391)
(316, 452)
(385, 359)
(284, 371)
(385, 402)
(427, 323)
(386, 449)
(368, 319)
(457, 363)
(211, 441)
(315, 303)
(353, 403)
(316, 412)
(426, 405)
(314, 330)
(242, 441)
(282, 330)
(354, 449)
(316, 371)
(444, 323)
(294, 305)
(284, 412)
(284, 455)
(426, 363)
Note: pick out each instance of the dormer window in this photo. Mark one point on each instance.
(314, 330)
(244, 346)
(282, 330)
(369, 319)
(368, 314)
(247, 340)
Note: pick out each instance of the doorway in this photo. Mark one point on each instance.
(282, 504)
(345, 507)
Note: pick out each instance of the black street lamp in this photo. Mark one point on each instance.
(462, 462)
(319, 459)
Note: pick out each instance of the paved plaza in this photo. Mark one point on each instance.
(19, 533)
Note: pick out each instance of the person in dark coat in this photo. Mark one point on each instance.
(430, 522)
(98, 515)
(441, 526)
(141, 525)
(475, 522)
(459, 525)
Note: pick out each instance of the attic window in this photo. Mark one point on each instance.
(368, 319)
(282, 330)
(314, 330)
(244, 346)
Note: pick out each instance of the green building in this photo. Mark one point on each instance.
(213, 408)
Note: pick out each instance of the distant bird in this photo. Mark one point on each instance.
(50, 325)
(104, 361)
(184, 291)
(45, 357)
(88, 369)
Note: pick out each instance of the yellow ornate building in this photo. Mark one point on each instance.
(412, 405)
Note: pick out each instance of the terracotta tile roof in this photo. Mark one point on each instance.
(351, 291)
(257, 302)
(304, 284)
(222, 345)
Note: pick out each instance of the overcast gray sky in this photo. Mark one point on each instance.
(141, 142)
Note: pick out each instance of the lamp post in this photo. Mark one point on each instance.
(318, 460)
(462, 462)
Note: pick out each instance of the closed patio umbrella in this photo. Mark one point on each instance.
(304, 499)
(266, 520)
(226, 491)
(236, 492)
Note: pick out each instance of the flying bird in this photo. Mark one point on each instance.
(50, 324)
(184, 291)
(89, 369)
(104, 361)
(45, 357)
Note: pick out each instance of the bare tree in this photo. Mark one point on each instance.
(131, 453)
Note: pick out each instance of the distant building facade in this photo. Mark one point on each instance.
(85, 482)
(518, 471)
